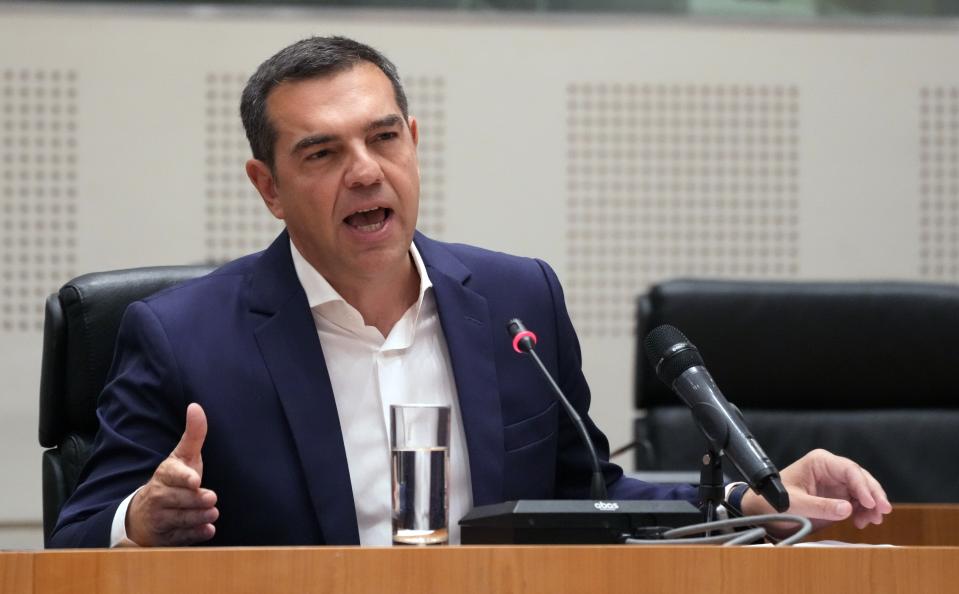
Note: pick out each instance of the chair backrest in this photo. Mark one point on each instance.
(79, 336)
(866, 370)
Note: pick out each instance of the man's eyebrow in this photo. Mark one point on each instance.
(385, 122)
(312, 141)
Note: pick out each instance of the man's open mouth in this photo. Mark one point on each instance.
(369, 220)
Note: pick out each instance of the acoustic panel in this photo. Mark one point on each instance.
(427, 101)
(939, 183)
(38, 191)
(667, 180)
(237, 221)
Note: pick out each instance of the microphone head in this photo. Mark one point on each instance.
(670, 353)
(523, 340)
(774, 492)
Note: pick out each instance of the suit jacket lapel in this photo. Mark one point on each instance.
(291, 349)
(464, 316)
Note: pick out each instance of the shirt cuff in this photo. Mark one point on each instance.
(118, 532)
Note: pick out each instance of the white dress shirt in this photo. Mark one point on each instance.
(369, 373)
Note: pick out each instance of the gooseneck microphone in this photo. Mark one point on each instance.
(570, 521)
(680, 366)
(523, 342)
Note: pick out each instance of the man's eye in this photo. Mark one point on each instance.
(386, 136)
(318, 154)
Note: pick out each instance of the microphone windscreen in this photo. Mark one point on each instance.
(662, 338)
(514, 327)
(668, 361)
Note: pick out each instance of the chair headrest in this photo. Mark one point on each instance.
(80, 332)
(812, 345)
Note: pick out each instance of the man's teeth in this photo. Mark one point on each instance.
(369, 219)
(373, 227)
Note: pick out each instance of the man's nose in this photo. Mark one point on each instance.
(363, 170)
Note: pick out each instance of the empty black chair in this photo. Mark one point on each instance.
(79, 334)
(865, 370)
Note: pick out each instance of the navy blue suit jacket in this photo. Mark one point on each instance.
(242, 343)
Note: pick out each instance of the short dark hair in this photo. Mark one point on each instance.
(314, 57)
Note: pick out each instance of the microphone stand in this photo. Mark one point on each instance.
(711, 488)
(597, 487)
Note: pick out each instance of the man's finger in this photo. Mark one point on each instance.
(188, 536)
(184, 498)
(868, 494)
(192, 440)
(857, 485)
(879, 495)
(864, 516)
(819, 508)
(174, 472)
(169, 520)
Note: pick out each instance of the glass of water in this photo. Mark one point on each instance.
(420, 444)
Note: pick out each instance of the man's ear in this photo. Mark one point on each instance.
(414, 130)
(262, 179)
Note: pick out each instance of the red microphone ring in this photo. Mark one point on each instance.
(520, 336)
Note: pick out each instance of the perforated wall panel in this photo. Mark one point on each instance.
(237, 222)
(676, 180)
(427, 99)
(939, 183)
(38, 195)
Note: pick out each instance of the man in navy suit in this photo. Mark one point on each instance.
(279, 366)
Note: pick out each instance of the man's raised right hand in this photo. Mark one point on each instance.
(172, 509)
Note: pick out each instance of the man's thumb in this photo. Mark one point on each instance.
(191, 443)
(819, 508)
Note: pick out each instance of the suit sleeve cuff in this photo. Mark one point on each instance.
(734, 495)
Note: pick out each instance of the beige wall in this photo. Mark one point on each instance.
(153, 174)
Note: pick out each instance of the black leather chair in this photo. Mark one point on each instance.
(79, 334)
(866, 370)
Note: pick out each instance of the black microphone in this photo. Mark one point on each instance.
(523, 342)
(679, 365)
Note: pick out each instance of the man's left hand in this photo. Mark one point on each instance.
(827, 488)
